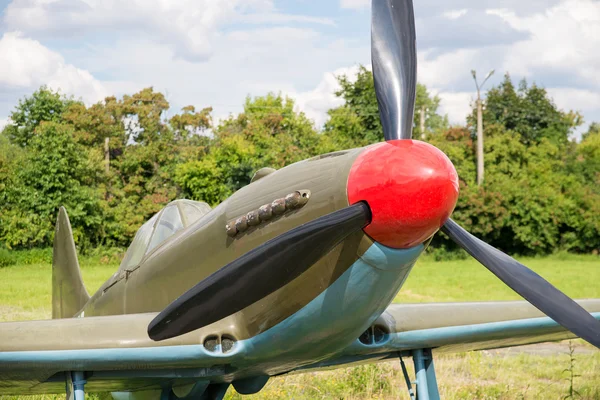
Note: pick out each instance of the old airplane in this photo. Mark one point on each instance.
(292, 273)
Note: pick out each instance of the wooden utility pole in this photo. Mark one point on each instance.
(422, 122)
(479, 140)
(106, 155)
(480, 126)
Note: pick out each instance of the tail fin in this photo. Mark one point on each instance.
(68, 293)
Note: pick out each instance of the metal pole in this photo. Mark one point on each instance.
(432, 386)
(421, 373)
(78, 385)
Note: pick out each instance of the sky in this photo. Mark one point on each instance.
(217, 52)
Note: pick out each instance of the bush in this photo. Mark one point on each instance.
(33, 256)
(442, 253)
(7, 258)
(104, 255)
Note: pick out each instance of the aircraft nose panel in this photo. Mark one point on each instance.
(411, 187)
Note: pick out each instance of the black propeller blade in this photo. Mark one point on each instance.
(394, 59)
(258, 273)
(528, 284)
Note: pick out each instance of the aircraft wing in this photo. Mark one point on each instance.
(116, 354)
(451, 328)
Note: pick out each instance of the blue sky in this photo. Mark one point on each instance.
(216, 52)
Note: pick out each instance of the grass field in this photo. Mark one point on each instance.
(533, 372)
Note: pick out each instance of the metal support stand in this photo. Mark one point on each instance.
(78, 384)
(427, 388)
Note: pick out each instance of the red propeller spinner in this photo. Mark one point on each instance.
(410, 186)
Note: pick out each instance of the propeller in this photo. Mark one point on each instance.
(280, 260)
(258, 273)
(394, 72)
(528, 284)
(394, 60)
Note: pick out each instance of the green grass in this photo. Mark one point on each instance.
(26, 290)
(467, 280)
(25, 293)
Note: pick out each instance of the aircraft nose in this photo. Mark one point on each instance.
(410, 186)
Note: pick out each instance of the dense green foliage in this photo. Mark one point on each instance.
(541, 191)
(528, 112)
(357, 123)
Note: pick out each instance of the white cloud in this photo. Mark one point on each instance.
(585, 101)
(457, 105)
(454, 14)
(4, 122)
(27, 64)
(189, 24)
(316, 102)
(279, 18)
(354, 4)
(253, 47)
(444, 70)
(253, 62)
(564, 39)
(189, 27)
(575, 99)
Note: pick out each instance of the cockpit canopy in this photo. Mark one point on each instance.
(174, 217)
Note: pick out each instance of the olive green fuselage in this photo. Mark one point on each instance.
(204, 247)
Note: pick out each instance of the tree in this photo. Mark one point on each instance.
(56, 172)
(93, 124)
(593, 129)
(587, 163)
(528, 111)
(357, 123)
(228, 167)
(429, 104)
(144, 111)
(190, 122)
(268, 133)
(43, 105)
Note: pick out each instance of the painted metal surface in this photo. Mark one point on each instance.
(421, 374)
(419, 316)
(327, 327)
(258, 273)
(462, 338)
(198, 251)
(394, 60)
(78, 379)
(322, 328)
(265, 212)
(261, 173)
(410, 186)
(407, 380)
(143, 364)
(128, 331)
(68, 292)
(432, 385)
